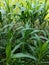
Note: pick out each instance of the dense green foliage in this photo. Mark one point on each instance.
(24, 34)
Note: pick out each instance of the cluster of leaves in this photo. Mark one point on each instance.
(24, 35)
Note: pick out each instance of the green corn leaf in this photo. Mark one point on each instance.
(16, 47)
(44, 47)
(22, 55)
(32, 49)
(8, 53)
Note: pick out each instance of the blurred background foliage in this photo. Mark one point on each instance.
(23, 2)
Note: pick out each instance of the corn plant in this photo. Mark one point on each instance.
(24, 33)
